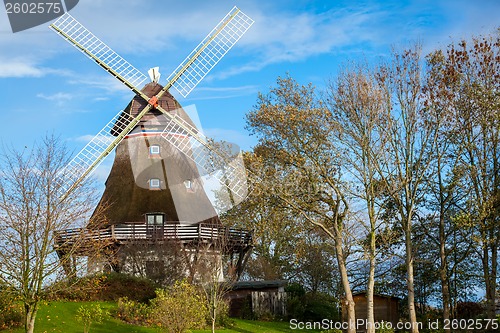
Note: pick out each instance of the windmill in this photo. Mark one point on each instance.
(154, 136)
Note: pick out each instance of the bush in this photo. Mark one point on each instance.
(11, 314)
(104, 287)
(178, 308)
(469, 310)
(384, 328)
(133, 312)
(305, 306)
(88, 314)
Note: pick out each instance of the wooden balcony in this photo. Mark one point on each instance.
(230, 239)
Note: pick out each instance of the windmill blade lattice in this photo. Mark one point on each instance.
(93, 153)
(210, 51)
(214, 160)
(187, 75)
(85, 41)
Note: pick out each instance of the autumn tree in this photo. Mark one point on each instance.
(471, 82)
(294, 131)
(405, 164)
(358, 103)
(275, 231)
(31, 210)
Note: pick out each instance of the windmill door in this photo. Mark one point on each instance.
(154, 226)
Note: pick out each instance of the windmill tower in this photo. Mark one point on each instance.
(155, 188)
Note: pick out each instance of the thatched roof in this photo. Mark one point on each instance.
(127, 187)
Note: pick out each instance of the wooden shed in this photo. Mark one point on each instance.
(386, 307)
(257, 298)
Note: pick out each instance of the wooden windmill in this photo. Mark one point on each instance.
(155, 186)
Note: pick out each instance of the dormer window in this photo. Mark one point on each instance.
(154, 184)
(154, 150)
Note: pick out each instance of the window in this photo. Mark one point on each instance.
(154, 150)
(154, 219)
(188, 183)
(154, 184)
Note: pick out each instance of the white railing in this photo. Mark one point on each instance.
(169, 231)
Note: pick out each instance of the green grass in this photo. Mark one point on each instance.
(59, 317)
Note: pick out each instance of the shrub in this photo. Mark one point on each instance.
(178, 308)
(468, 310)
(104, 287)
(384, 328)
(133, 312)
(305, 306)
(88, 314)
(11, 314)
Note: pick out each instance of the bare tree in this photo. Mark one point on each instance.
(358, 103)
(30, 212)
(405, 165)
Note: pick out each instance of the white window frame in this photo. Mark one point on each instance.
(154, 150)
(154, 183)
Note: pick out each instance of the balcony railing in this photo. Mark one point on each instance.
(185, 233)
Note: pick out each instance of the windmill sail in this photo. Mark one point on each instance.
(85, 41)
(217, 161)
(209, 52)
(187, 75)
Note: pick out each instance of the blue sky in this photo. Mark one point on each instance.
(49, 87)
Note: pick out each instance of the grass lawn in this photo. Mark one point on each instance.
(59, 317)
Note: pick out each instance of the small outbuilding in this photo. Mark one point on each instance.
(257, 298)
(385, 308)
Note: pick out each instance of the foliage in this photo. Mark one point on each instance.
(31, 211)
(10, 311)
(103, 287)
(384, 328)
(469, 310)
(309, 306)
(88, 314)
(133, 312)
(178, 308)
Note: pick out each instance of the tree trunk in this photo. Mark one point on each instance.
(410, 279)
(349, 300)
(443, 267)
(29, 321)
(445, 290)
(369, 296)
(372, 254)
(490, 274)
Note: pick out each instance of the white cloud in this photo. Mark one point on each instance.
(60, 96)
(105, 83)
(17, 68)
(208, 93)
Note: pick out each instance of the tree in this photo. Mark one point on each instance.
(296, 137)
(462, 99)
(30, 212)
(405, 165)
(358, 103)
(472, 77)
(275, 231)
